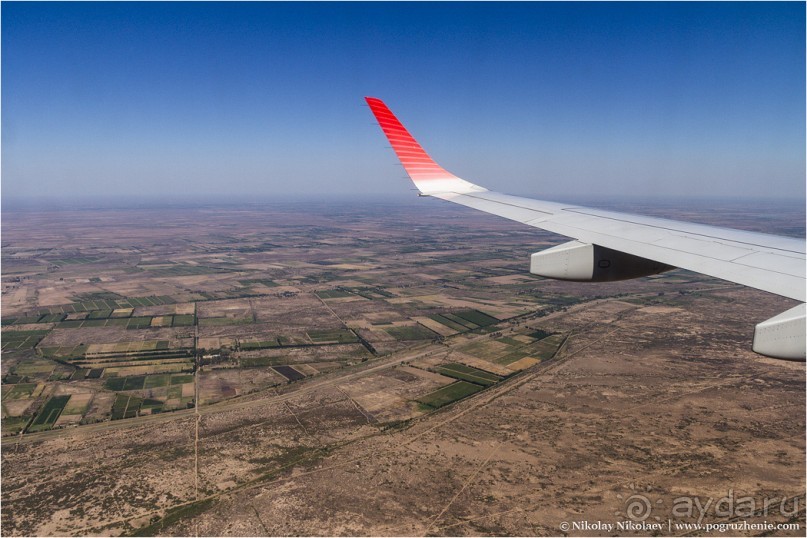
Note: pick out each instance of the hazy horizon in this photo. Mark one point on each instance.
(405, 199)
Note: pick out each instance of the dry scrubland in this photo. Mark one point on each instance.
(339, 369)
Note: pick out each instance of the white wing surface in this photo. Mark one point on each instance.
(614, 246)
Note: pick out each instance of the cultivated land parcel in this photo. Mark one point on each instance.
(309, 368)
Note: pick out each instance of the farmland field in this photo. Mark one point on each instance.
(411, 332)
(49, 413)
(289, 373)
(449, 394)
(467, 373)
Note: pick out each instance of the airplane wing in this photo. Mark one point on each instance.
(615, 246)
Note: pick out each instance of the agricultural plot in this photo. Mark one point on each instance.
(125, 406)
(182, 270)
(539, 334)
(289, 373)
(25, 320)
(439, 328)
(448, 394)
(411, 332)
(125, 383)
(14, 425)
(453, 325)
(156, 368)
(513, 352)
(49, 414)
(476, 317)
(51, 318)
(468, 325)
(18, 391)
(183, 320)
(78, 404)
(333, 294)
(139, 323)
(34, 368)
(140, 382)
(104, 302)
(467, 373)
(144, 346)
(162, 321)
(119, 321)
(63, 352)
(22, 339)
(546, 348)
(464, 320)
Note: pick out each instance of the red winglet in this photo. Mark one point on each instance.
(414, 158)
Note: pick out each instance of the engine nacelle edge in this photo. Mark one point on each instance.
(584, 262)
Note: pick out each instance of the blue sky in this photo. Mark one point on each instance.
(185, 100)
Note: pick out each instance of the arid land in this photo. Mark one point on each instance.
(345, 369)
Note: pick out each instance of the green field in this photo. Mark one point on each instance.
(158, 380)
(448, 394)
(464, 320)
(70, 352)
(134, 382)
(333, 294)
(22, 339)
(461, 321)
(448, 323)
(411, 332)
(52, 318)
(184, 320)
(27, 319)
(14, 425)
(510, 341)
(33, 367)
(539, 334)
(138, 323)
(125, 406)
(467, 373)
(510, 358)
(475, 316)
(19, 391)
(105, 301)
(181, 379)
(49, 414)
(140, 382)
